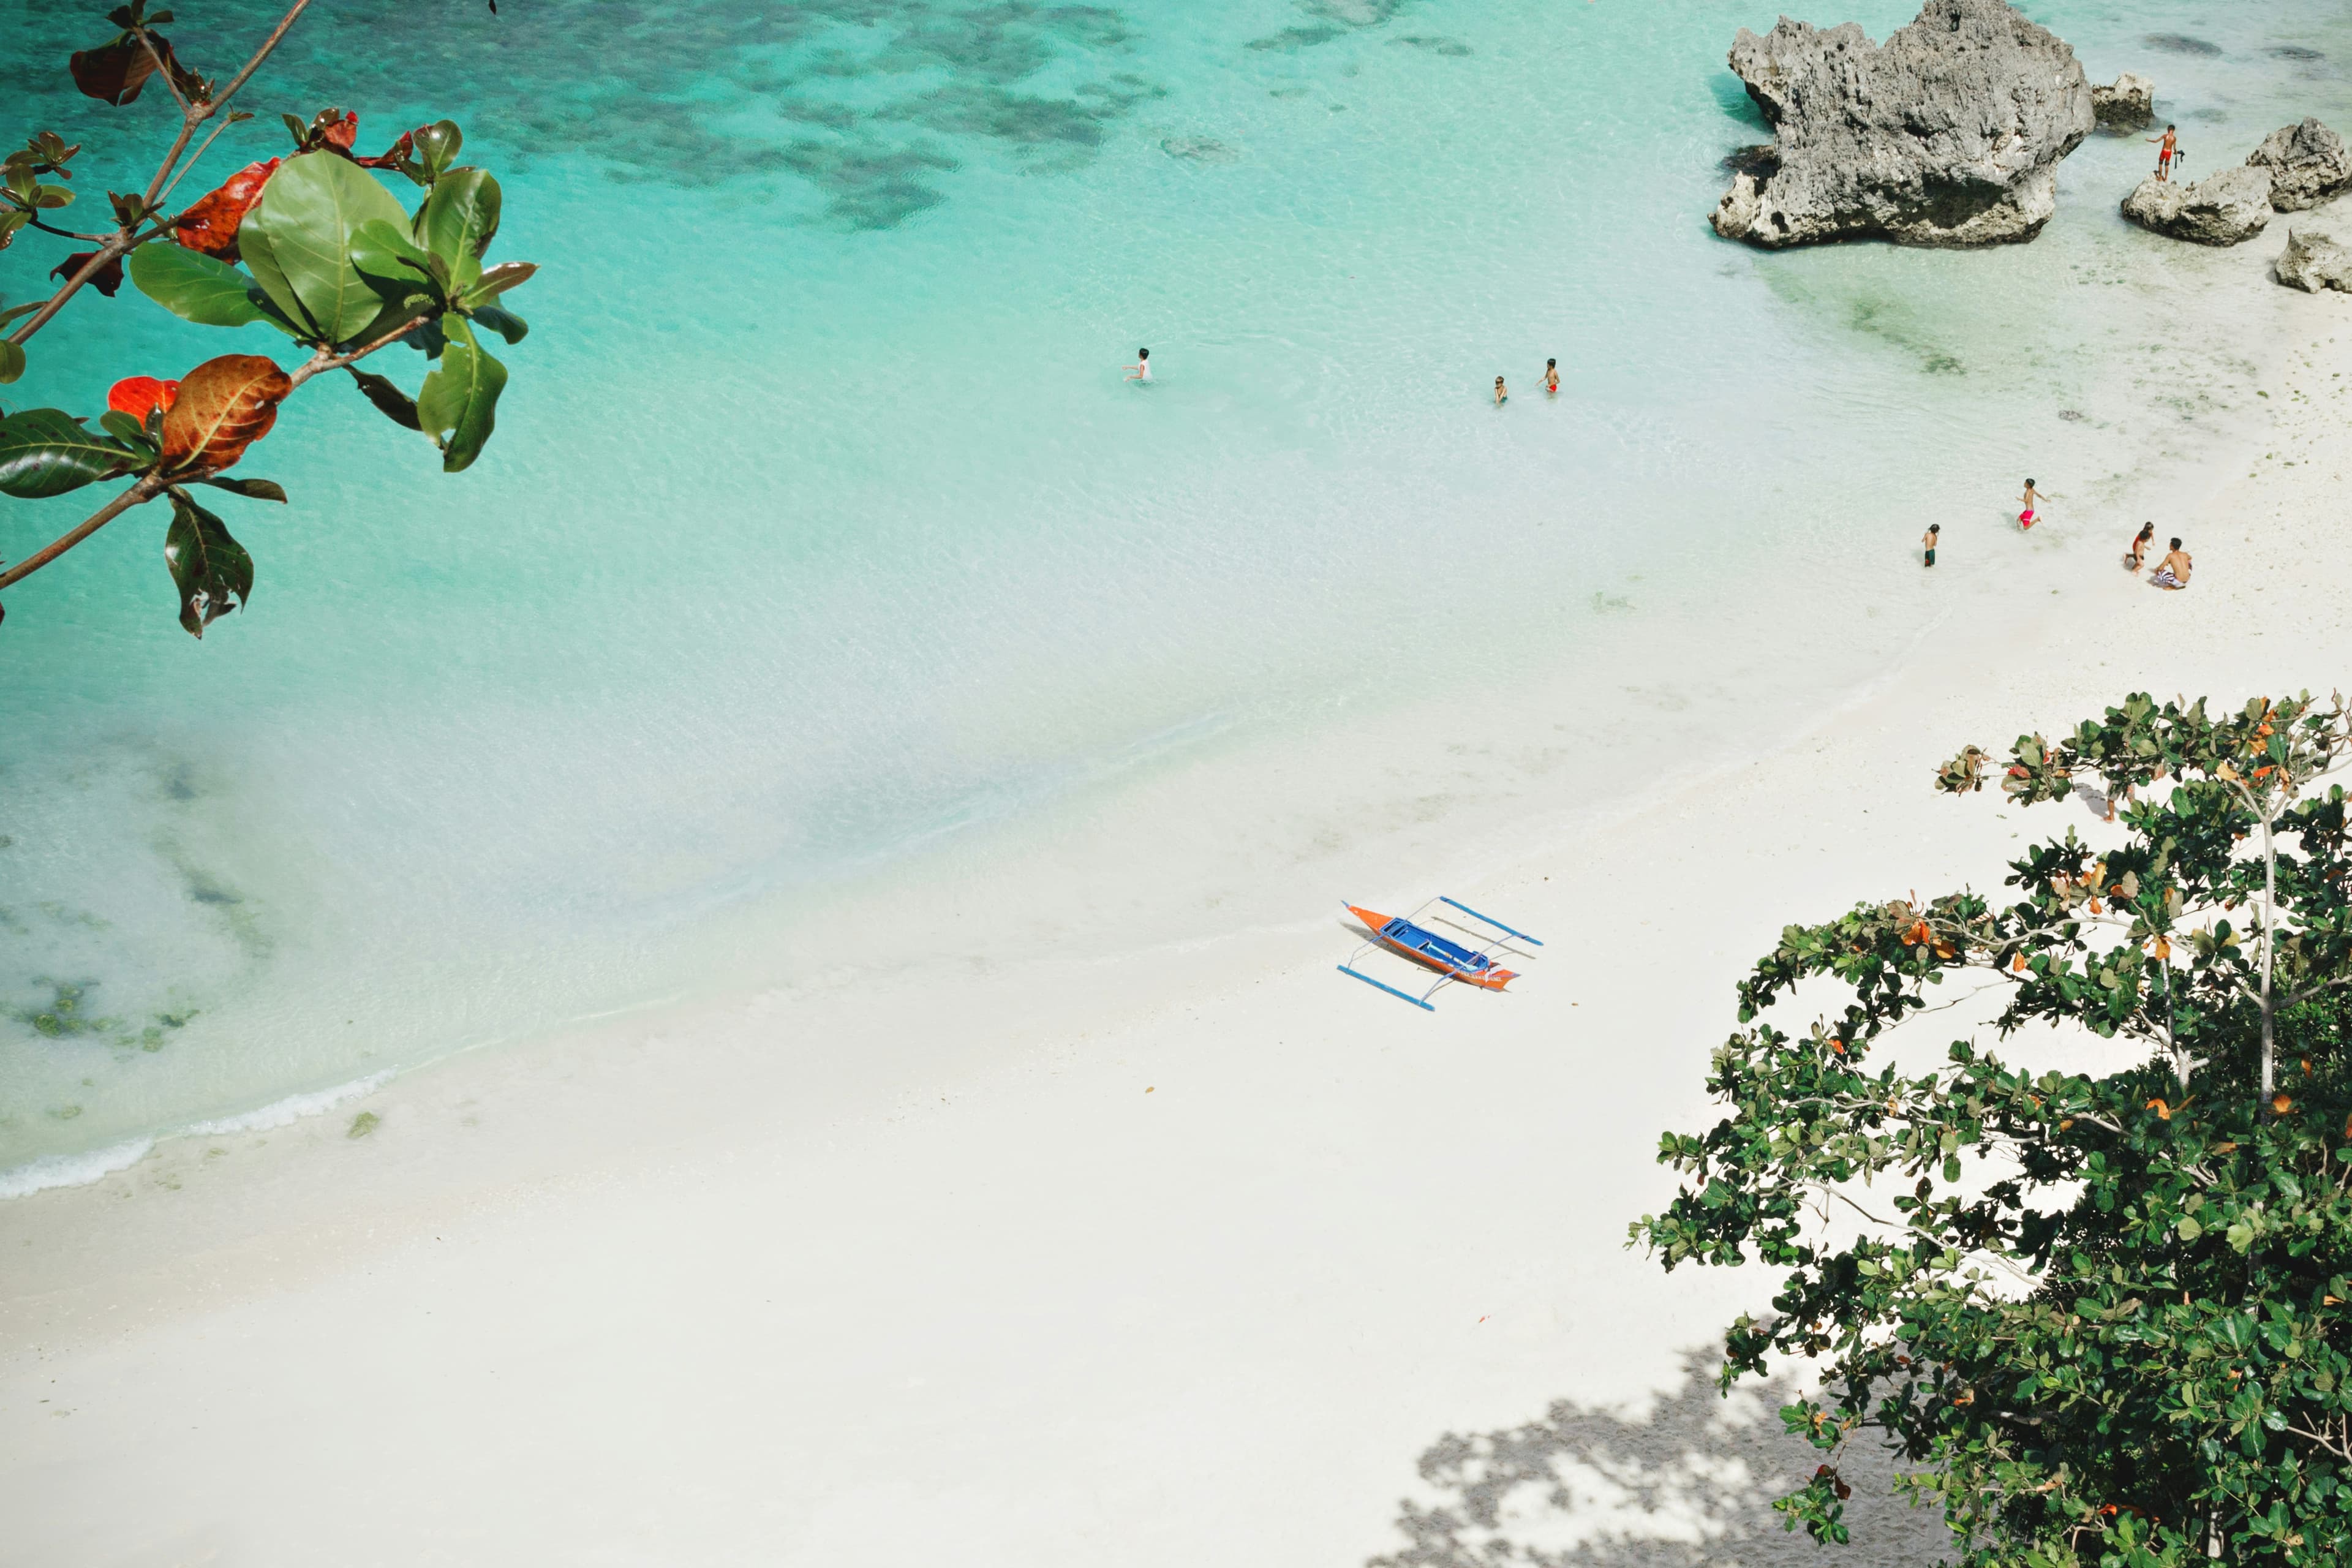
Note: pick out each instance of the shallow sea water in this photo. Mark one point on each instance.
(821, 542)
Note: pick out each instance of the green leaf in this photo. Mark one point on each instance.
(506, 323)
(47, 452)
(2188, 1228)
(396, 404)
(256, 489)
(16, 310)
(497, 281)
(460, 218)
(436, 145)
(193, 286)
(126, 429)
(12, 360)
(304, 222)
(208, 566)
(383, 253)
(459, 404)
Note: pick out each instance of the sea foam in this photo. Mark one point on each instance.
(89, 1165)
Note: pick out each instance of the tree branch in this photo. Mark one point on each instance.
(162, 69)
(191, 115)
(150, 486)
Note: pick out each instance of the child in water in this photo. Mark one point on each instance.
(2029, 501)
(2139, 551)
(1551, 376)
(1142, 369)
(1501, 397)
(1928, 540)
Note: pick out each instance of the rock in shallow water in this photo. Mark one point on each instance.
(1948, 135)
(2227, 208)
(2128, 105)
(2313, 261)
(2308, 164)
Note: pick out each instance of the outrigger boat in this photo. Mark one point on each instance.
(1452, 961)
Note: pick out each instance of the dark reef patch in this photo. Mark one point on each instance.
(872, 102)
(2181, 44)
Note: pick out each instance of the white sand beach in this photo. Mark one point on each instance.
(1164, 1258)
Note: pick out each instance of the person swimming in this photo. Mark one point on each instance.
(1551, 377)
(1142, 369)
(1501, 395)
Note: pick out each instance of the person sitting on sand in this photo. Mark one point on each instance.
(1929, 541)
(1501, 395)
(2029, 501)
(2172, 572)
(1551, 376)
(2166, 153)
(2139, 551)
(1142, 369)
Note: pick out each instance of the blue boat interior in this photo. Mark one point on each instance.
(1405, 934)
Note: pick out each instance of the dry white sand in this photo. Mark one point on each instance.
(1205, 1256)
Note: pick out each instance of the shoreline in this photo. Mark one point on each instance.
(1124, 1234)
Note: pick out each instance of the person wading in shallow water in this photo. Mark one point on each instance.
(1501, 395)
(2172, 572)
(1142, 369)
(1551, 376)
(1927, 541)
(2168, 150)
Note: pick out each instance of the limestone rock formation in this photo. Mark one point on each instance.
(1948, 135)
(2312, 261)
(2308, 164)
(2227, 208)
(2128, 105)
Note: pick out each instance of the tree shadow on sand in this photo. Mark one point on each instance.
(1688, 1484)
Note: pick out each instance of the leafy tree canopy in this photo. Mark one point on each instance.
(2102, 1318)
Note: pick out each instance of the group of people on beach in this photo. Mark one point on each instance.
(2172, 572)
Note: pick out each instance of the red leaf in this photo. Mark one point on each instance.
(340, 129)
(116, 73)
(225, 405)
(391, 156)
(211, 224)
(135, 394)
(106, 280)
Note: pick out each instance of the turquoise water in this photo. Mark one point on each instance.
(821, 542)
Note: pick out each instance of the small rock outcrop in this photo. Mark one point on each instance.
(2227, 208)
(1948, 135)
(2308, 164)
(2312, 261)
(2128, 105)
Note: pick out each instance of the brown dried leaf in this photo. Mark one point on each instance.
(225, 405)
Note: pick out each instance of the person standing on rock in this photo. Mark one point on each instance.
(2029, 501)
(2169, 148)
